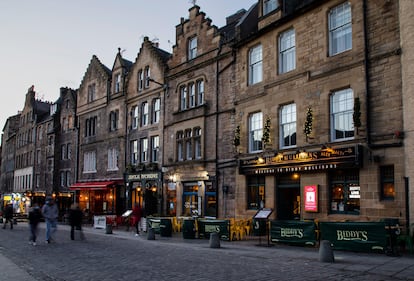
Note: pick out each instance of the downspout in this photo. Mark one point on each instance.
(216, 178)
(367, 77)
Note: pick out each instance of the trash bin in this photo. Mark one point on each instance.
(189, 229)
(165, 227)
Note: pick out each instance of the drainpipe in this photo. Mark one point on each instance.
(216, 179)
(367, 77)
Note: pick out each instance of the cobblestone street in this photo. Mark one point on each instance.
(122, 256)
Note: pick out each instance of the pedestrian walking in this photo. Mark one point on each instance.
(34, 218)
(50, 213)
(136, 217)
(8, 216)
(75, 220)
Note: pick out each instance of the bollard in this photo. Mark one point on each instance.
(151, 234)
(214, 240)
(325, 252)
(108, 229)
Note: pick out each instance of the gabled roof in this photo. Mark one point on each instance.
(101, 68)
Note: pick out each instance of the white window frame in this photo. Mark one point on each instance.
(117, 83)
(200, 92)
(140, 80)
(255, 132)
(342, 109)
(183, 97)
(192, 48)
(89, 162)
(134, 152)
(288, 125)
(197, 143)
(113, 157)
(155, 147)
(287, 51)
(144, 114)
(156, 110)
(135, 117)
(255, 65)
(340, 29)
(144, 150)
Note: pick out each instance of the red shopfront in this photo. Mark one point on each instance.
(98, 197)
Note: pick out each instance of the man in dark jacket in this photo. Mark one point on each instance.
(34, 218)
(8, 216)
(75, 220)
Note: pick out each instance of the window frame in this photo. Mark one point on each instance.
(155, 147)
(144, 114)
(255, 65)
(287, 52)
(288, 118)
(255, 131)
(342, 107)
(269, 6)
(387, 181)
(192, 47)
(342, 13)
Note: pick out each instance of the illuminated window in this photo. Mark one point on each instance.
(345, 192)
(387, 182)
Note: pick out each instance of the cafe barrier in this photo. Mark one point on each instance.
(355, 236)
(293, 232)
(207, 226)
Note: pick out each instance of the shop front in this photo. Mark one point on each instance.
(291, 183)
(145, 189)
(97, 197)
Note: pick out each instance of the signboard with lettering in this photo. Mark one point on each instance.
(324, 159)
(205, 227)
(143, 176)
(355, 236)
(293, 232)
(311, 198)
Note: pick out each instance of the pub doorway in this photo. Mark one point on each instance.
(288, 197)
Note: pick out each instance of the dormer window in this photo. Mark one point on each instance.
(269, 6)
(192, 48)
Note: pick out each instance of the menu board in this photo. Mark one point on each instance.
(263, 214)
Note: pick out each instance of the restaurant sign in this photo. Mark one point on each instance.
(311, 198)
(324, 159)
(293, 232)
(149, 176)
(355, 236)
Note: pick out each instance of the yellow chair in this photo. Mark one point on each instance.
(234, 230)
(176, 224)
(248, 227)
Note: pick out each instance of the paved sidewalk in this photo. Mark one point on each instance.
(391, 268)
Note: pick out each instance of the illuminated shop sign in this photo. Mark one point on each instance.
(311, 198)
(325, 159)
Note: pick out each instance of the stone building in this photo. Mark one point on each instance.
(319, 108)
(66, 151)
(198, 115)
(33, 169)
(8, 140)
(101, 124)
(146, 92)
